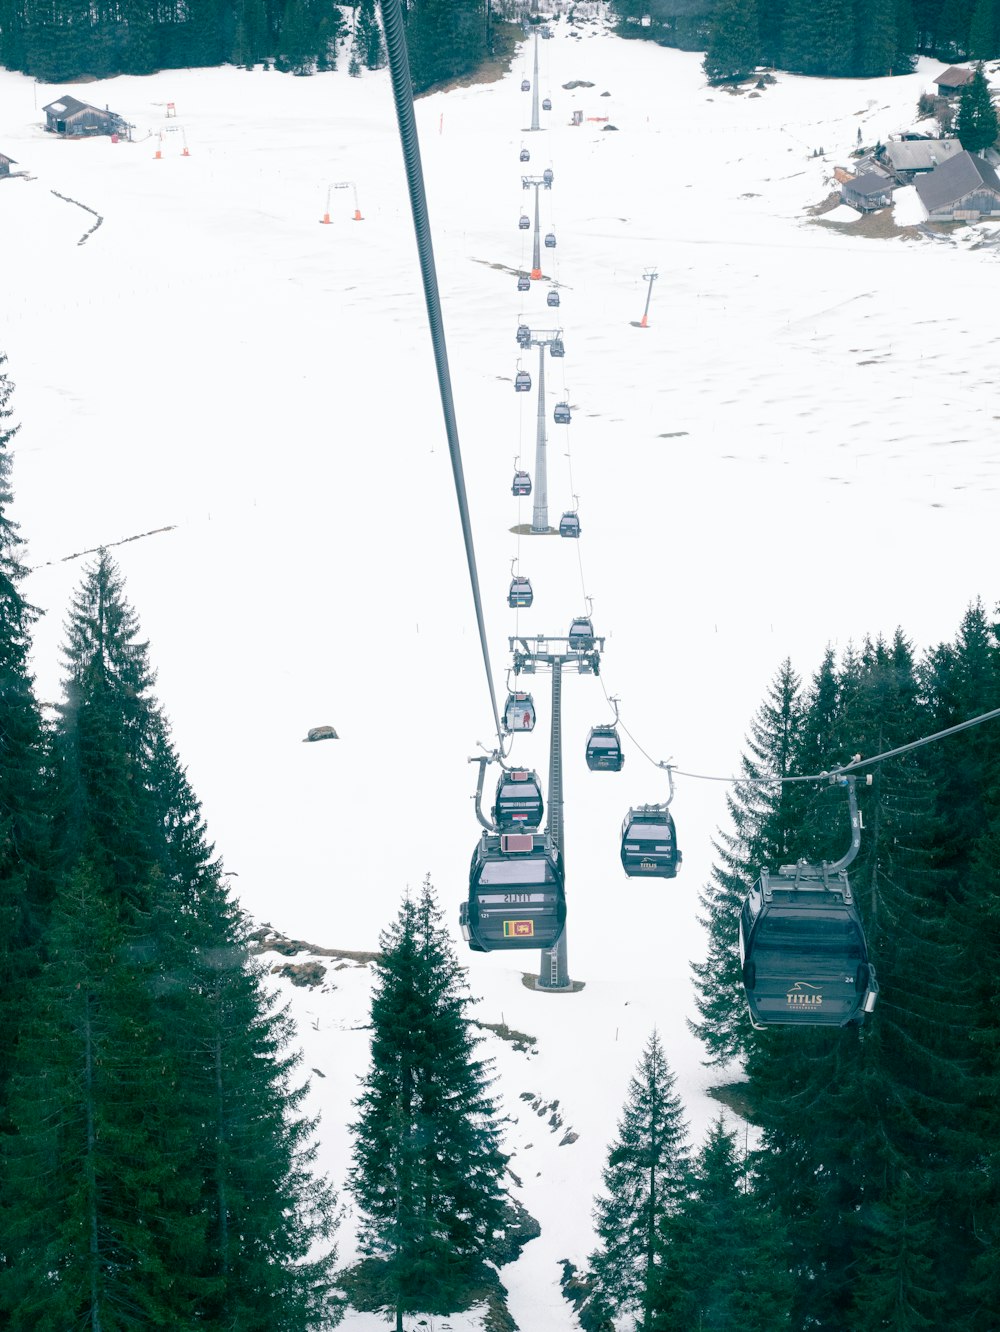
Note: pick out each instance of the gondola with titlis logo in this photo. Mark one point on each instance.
(521, 484)
(802, 945)
(516, 894)
(519, 713)
(604, 749)
(649, 839)
(517, 897)
(518, 803)
(520, 593)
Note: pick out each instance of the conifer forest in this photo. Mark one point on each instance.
(162, 1162)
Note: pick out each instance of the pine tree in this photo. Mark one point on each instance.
(876, 40)
(818, 39)
(368, 36)
(427, 1168)
(765, 823)
(268, 1218)
(644, 1182)
(734, 50)
(25, 885)
(977, 124)
(983, 30)
(98, 1220)
(725, 1264)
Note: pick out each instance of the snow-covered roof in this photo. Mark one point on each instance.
(954, 179)
(70, 106)
(921, 154)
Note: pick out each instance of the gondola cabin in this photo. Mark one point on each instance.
(649, 843)
(526, 85)
(519, 713)
(803, 951)
(550, 240)
(524, 222)
(521, 484)
(523, 282)
(556, 347)
(524, 155)
(552, 298)
(523, 335)
(604, 750)
(581, 635)
(516, 895)
(518, 805)
(546, 103)
(561, 414)
(522, 382)
(547, 176)
(569, 525)
(520, 593)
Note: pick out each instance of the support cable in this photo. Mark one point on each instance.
(402, 92)
(853, 766)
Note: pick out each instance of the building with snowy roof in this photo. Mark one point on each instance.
(71, 117)
(963, 189)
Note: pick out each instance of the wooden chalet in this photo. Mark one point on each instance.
(5, 165)
(952, 80)
(71, 117)
(963, 189)
(909, 158)
(868, 193)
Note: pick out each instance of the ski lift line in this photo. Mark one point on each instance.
(402, 92)
(854, 766)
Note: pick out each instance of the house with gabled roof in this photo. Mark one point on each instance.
(70, 116)
(964, 189)
(909, 158)
(953, 79)
(868, 192)
(5, 165)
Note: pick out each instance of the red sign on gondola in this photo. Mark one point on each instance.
(518, 929)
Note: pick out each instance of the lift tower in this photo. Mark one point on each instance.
(536, 183)
(534, 89)
(540, 509)
(529, 654)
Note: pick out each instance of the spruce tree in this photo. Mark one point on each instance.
(427, 1169)
(726, 1263)
(765, 820)
(25, 885)
(645, 1181)
(368, 37)
(977, 124)
(983, 30)
(734, 50)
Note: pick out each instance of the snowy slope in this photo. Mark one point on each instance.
(798, 450)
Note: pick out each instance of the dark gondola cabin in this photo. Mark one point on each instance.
(519, 713)
(523, 282)
(552, 298)
(516, 896)
(569, 525)
(604, 750)
(524, 155)
(547, 176)
(518, 805)
(520, 593)
(556, 347)
(524, 222)
(550, 240)
(523, 335)
(525, 85)
(649, 843)
(581, 635)
(803, 951)
(521, 484)
(546, 104)
(562, 415)
(522, 382)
